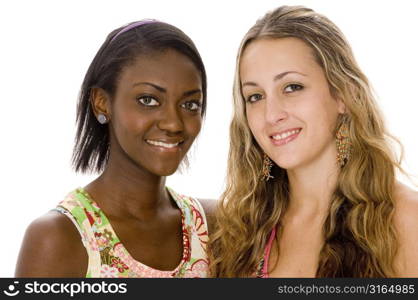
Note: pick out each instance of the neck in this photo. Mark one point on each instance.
(126, 190)
(312, 186)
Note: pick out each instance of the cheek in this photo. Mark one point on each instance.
(323, 131)
(122, 116)
(250, 120)
(193, 126)
(321, 123)
(255, 123)
(319, 109)
(129, 125)
(331, 112)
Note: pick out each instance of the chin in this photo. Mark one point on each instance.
(164, 170)
(167, 173)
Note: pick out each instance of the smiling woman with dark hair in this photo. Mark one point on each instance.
(140, 109)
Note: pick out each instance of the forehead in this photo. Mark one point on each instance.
(277, 55)
(164, 67)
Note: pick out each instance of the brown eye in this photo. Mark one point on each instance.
(192, 105)
(293, 88)
(148, 101)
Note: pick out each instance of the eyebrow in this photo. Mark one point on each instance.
(157, 87)
(192, 92)
(277, 77)
(163, 90)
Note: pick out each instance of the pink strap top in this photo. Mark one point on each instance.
(264, 270)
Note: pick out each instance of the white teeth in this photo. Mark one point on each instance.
(162, 144)
(285, 134)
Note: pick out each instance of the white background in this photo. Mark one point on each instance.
(47, 46)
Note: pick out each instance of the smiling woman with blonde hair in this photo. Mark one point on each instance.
(311, 188)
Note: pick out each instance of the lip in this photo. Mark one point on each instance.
(158, 144)
(287, 139)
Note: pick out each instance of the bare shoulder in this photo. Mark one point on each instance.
(52, 247)
(406, 205)
(406, 225)
(209, 206)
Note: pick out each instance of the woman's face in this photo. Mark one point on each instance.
(289, 107)
(156, 111)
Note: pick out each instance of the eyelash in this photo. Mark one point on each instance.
(148, 97)
(249, 98)
(196, 108)
(196, 102)
(295, 87)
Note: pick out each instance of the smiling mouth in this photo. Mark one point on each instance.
(165, 145)
(285, 137)
(285, 134)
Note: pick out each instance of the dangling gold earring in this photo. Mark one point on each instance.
(267, 165)
(343, 143)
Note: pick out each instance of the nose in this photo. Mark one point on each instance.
(274, 110)
(171, 120)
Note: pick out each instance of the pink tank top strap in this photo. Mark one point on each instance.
(267, 252)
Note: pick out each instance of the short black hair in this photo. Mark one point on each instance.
(91, 149)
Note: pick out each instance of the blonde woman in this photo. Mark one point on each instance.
(311, 186)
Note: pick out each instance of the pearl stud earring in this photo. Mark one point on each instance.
(101, 118)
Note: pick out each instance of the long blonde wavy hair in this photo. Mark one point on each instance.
(360, 239)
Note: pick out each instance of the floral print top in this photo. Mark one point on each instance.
(107, 257)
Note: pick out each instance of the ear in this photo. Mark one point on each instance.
(341, 106)
(100, 102)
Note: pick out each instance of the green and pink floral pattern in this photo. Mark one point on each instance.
(109, 258)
